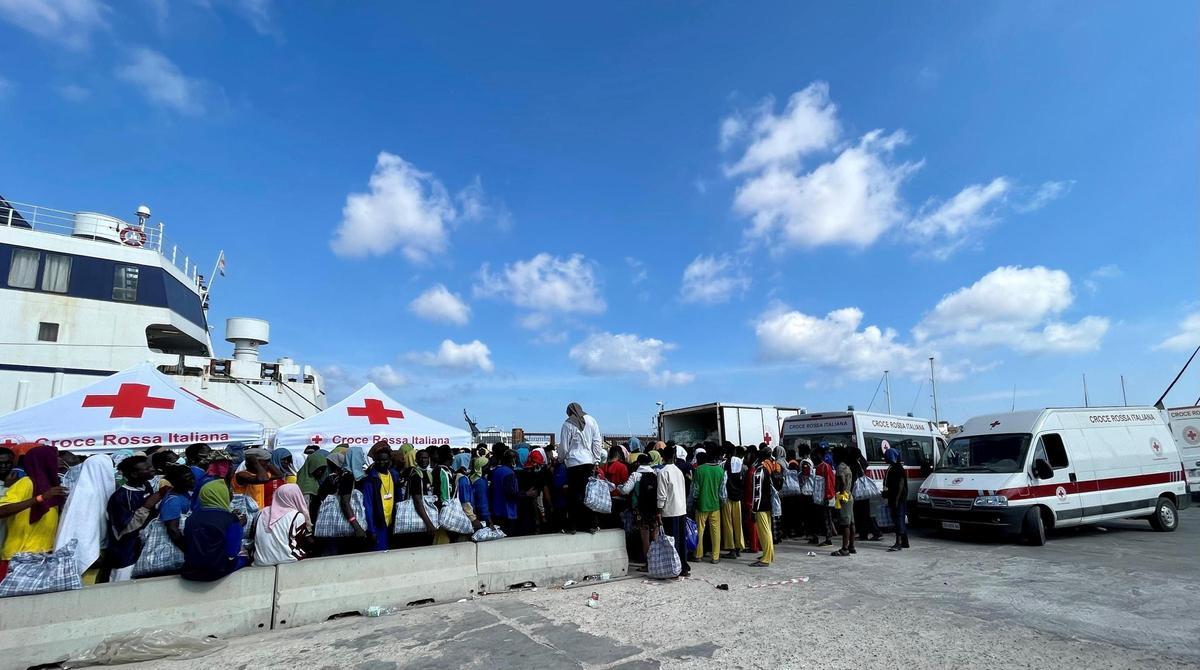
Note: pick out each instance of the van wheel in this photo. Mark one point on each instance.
(1165, 519)
(1033, 529)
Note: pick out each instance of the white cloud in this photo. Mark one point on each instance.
(544, 285)
(1048, 192)
(1187, 337)
(385, 376)
(259, 13)
(1015, 307)
(74, 92)
(668, 378)
(439, 304)
(162, 82)
(836, 343)
(625, 353)
(1009, 294)
(406, 208)
(712, 280)
(473, 355)
(637, 270)
(851, 200)
(808, 124)
(1100, 274)
(68, 22)
(948, 225)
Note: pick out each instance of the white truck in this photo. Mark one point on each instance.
(743, 425)
(1185, 428)
(919, 440)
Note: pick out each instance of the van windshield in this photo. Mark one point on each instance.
(986, 453)
(802, 443)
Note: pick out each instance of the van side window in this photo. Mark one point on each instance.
(1056, 452)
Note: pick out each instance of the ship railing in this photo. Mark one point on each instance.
(60, 222)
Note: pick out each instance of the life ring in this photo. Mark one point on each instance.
(132, 236)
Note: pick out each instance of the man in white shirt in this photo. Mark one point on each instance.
(672, 505)
(582, 448)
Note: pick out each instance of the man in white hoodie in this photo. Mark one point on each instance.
(581, 447)
(672, 505)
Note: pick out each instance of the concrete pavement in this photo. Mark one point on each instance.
(1119, 597)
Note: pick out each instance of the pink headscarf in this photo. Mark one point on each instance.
(288, 498)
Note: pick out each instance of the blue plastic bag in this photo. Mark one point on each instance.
(691, 533)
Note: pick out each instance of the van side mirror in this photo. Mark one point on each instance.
(1042, 469)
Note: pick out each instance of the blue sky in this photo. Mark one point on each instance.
(507, 208)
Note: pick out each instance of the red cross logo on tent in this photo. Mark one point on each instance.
(11, 441)
(767, 438)
(129, 402)
(375, 412)
(316, 439)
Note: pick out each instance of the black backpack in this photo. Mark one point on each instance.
(735, 483)
(647, 494)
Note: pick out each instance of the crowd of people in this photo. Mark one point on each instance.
(204, 513)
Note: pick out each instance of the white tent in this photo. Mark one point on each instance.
(363, 419)
(133, 409)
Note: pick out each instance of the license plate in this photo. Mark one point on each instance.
(951, 525)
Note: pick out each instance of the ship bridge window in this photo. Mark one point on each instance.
(22, 273)
(125, 283)
(167, 339)
(56, 273)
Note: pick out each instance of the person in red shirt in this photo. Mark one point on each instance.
(616, 472)
(824, 470)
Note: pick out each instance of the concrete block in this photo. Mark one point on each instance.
(314, 589)
(52, 627)
(547, 560)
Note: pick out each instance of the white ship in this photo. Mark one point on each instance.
(84, 295)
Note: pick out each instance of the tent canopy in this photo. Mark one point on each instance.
(134, 409)
(364, 418)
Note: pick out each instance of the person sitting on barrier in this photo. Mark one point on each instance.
(379, 488)
(31, 506)
(130, 508)
(338, 481)
(283, 530)
(177, 502)
(311, 473)
(257, 476)
(418, 485)
(212, 537)
(505, 494)
(84, 519)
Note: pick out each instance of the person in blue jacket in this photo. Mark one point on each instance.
(505, 494)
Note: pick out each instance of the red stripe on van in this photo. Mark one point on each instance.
(1047, 490)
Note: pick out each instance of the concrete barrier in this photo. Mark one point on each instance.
(315, 589)
(52, 627)
(546, 560)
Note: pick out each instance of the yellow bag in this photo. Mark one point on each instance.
(843, 497)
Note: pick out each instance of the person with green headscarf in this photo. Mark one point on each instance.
(311, 473)
(480, 506)
(212, 537)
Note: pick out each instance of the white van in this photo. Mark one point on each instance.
(919, 441)
(1024, 472)
(1185, 426)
